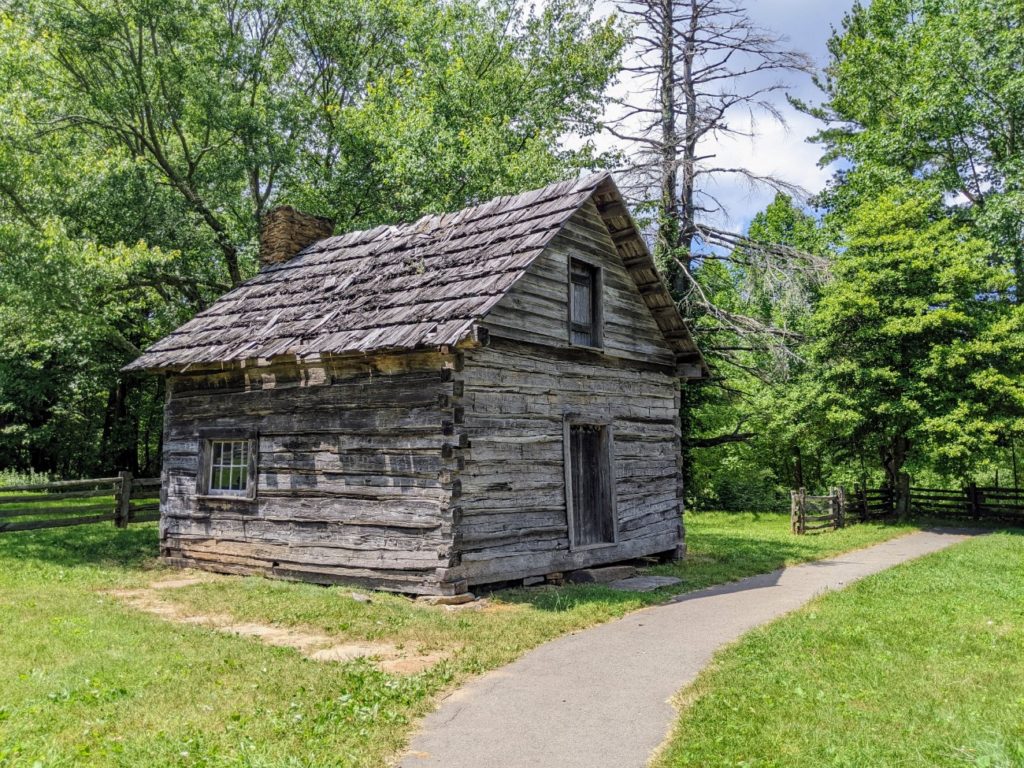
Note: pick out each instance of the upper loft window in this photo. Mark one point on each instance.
(584, 304)
(229, 467)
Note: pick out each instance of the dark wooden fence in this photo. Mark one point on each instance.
(866, 504)
(123, 500)
(840, 508)
(972, 502)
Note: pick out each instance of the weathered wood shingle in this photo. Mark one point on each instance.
(401, 287)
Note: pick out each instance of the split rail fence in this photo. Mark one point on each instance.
(122, 500)
(840, 508)
(971, 503)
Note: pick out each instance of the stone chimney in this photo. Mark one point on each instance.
(285, 231)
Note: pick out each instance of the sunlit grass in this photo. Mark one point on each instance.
(918, 666)
(85, 679)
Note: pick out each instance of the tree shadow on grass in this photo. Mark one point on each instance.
(99, 544)
(722, 559)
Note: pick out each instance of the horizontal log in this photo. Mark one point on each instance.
(41, 497)
(149, 517)
(310, 555)
(57, 511)
(421, 582)
(818, 518)
(60, 484)
(64, 523)
(518, 566)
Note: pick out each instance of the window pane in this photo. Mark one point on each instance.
(229, 466)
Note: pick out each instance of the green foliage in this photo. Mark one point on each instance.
(902, 333)
(140, 142)
(913, 348)
(841, 683)
(750, 402)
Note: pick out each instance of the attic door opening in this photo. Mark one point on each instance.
(584, 304)
(590, 486)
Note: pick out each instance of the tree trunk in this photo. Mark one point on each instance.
(894, 456)
(798, 468)
(668, 215)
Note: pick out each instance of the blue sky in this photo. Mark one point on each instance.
(781, 151)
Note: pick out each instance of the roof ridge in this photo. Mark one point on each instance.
(459, 216)
(399, 286)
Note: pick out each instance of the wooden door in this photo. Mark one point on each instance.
(590, 485)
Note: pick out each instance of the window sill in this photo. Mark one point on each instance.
(225, 498)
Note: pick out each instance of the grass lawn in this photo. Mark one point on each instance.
(86, 680)
(922, 665)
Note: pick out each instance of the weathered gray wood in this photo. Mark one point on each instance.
(446, 467)
(61, 484)
(122, 500)
(62, 523)
(537, 307)
(517, 398)
(354, 473)
(56, 511)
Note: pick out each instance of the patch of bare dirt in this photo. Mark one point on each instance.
(318, 647)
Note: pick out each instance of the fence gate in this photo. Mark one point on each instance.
(817, 513)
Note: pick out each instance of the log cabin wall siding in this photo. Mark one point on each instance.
(354, 477)
(518, 392)
(512, 507)
(407, 393)
(536, 309)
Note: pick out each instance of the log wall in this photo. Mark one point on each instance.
(511, 507)
(353, 480)
(427, 472)
(536, 309)
(517, 393)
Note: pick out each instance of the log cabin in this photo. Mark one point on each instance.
(478, 397)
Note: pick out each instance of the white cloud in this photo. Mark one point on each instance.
(775, 150)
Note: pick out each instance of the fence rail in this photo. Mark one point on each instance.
(123, 500)
(972, 502)
(838, 508)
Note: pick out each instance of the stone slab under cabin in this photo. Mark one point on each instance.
(478, 397)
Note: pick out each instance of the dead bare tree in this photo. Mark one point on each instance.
(701, 70)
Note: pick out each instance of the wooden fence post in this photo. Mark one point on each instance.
(123, 499)
(973, 501)
(839, 503)
(794, 510)
(798, 511)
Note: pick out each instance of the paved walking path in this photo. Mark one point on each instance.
(601, 697)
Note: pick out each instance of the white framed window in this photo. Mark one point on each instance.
(228, 467)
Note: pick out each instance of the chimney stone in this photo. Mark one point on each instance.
(284, 231)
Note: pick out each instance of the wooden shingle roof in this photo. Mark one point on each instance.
(408, 286)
